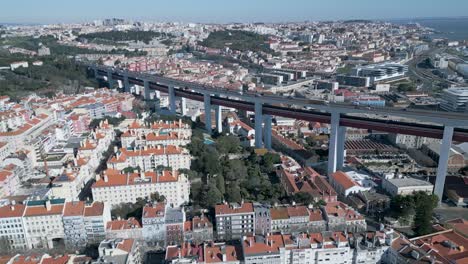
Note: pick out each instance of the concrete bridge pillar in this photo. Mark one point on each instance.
(207, 101)
(258, 125)
(333, 143)
(443, 161)
(183, 106)
(126, 83)
(109, 79)
(219, 119)
(172, 102)
(146, 90)
(340, 155)
(267, 132)
(157, 94)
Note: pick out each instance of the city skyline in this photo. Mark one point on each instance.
(210, 11)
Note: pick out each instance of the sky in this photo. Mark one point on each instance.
(224, 11)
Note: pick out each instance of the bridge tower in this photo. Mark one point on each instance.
(172, 99)
(267, 132)
(443, 161)
(146, 90)
(258, 125)
(207, 102)
(219, 119)
(183, 106)
(126, 83)
(109, 79)
(336, 143)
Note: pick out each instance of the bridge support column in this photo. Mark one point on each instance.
(95, 73)
(146, 90)
(109, 79)
(157, 94)
(443, 161)
(172, 102)
(258, 125)
(340, 155)
(219, 119)
(207, 101)
(333, 143)
(267, 132)
(183, 106)
(126, 83)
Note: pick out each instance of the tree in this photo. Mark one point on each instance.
(220, 184)
(425, 204)
(303, 198)
(406, 87)
(157, 197)
(211, 196)
(131, 169)
(228, 144)
(234, 194)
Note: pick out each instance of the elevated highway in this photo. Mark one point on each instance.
(448, 126)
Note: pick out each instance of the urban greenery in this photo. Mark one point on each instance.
(237, 40)
(131, 35)
(419, 206)
(224, 171)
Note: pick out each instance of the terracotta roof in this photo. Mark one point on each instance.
(94, 209)
(126, 245)
(214, 253)
(223, 209)
(38, 210)
(74, 208)
(278, 213)
(130, 223)
(16, 210)
(344, 180)
(252, 245)
(57, 260)
(117, 179)
(185, 250)
(155, 210)
(297, 211)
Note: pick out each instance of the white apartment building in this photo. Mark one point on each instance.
(11, 226)
(160, 127)
(95, 218)
(84, 223)
(125, 229)
(153, 220)
(115, 187)
(455, 99)
(132, 138)
(43, 223)
(149, 158)
(9, 180)
(234, 220)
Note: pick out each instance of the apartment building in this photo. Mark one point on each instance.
(149, 158)
(9, 180)
(339, 217)
(198, 230)
(119, 251)
(12, 227)
(234, 220)
(115, 187)
(153, 220)
(43, 223)
(84, 223)
(133, 138)
(124, 229)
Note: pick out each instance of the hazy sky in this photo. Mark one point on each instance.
(47, 11)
